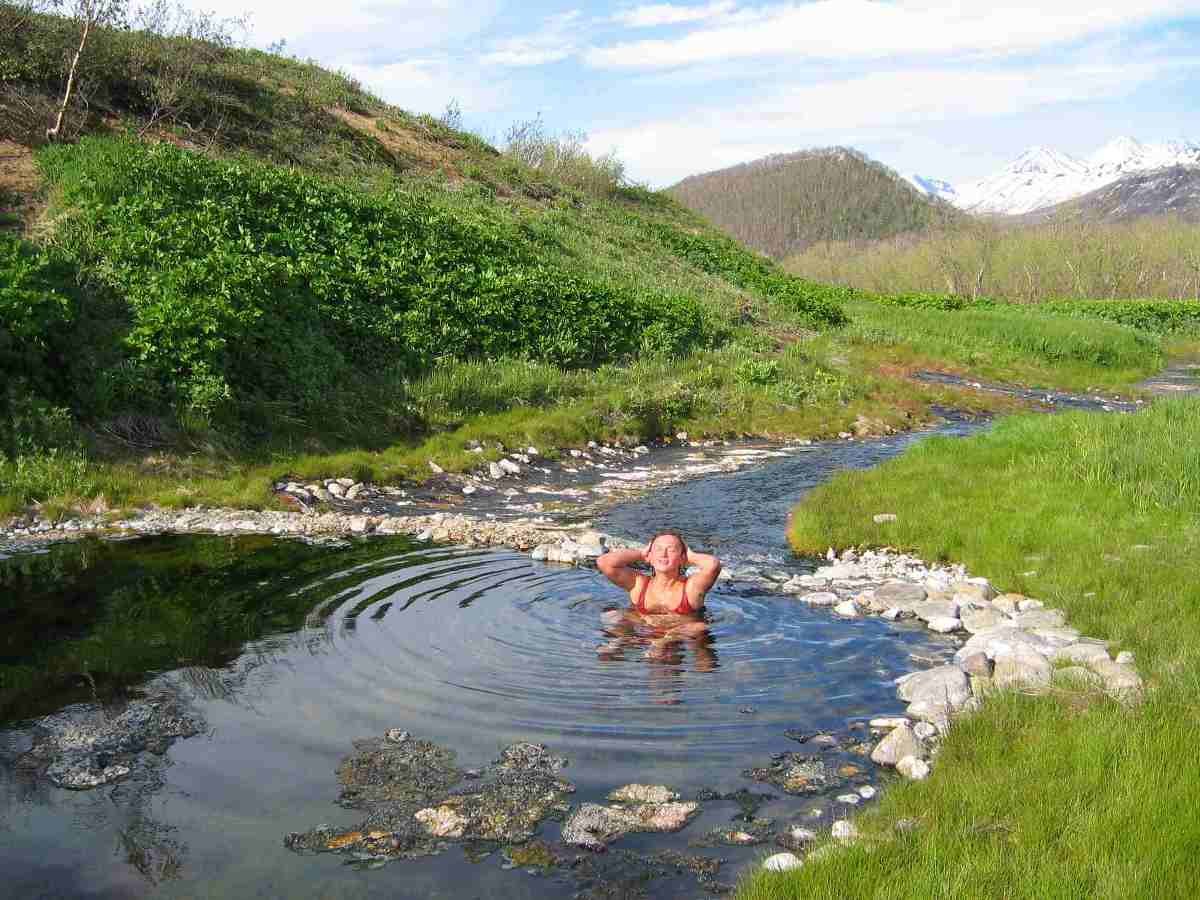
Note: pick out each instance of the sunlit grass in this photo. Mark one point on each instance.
(1068, 795)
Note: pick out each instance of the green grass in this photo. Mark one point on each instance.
(1071, 794)
(1013, 344)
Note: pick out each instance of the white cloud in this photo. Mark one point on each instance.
(871, 105)
(319, 28)
(868, 29)
(554, 41)
(428, 85)
(656, 14)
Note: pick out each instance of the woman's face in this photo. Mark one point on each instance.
(666, 553)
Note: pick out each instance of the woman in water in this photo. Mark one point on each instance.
(664, 599)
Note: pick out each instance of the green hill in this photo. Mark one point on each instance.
(230, 265)
(781, 204)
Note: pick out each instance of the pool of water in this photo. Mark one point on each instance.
(288, 652)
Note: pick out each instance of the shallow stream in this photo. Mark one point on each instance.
(288, 651)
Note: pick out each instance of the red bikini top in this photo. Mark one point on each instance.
(684, 608)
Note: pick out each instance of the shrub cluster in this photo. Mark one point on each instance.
(818, 305)
(243, 283)
(1158, 316)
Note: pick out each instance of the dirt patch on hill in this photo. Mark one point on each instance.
(399, 141)
(19, 186)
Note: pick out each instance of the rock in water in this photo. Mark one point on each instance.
(414, 798)
(594, 826)
(899, 743)
(643, 793)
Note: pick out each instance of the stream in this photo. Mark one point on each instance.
(284, 652)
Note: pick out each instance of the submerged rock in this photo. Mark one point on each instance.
(416, 798)
(642, 793)
(795, 774)
(86, 747)
(594, 826)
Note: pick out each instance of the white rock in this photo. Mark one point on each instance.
(935, 609)
(867, 792)
(509, 467)
(1028, 605)
(944, 624)
(913, 768)
(1084, 651)
(820, 598)
(781, 862)
(844, 831)
(846, 609)
(435, 468)
(468, 489)
(495, 471)
(976, 619)
(899, 743)
(944, 685)
(891, 614)
(1022, 667)
(849, 799)
(1125, 658)
(881, 518)
(1040, 618)
(925, 731)
(888, 722)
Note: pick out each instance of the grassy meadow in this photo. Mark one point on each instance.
(1069, 794)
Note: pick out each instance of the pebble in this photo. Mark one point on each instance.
(867, 792)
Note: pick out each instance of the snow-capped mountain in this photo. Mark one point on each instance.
(1042, 177)
(932, 187)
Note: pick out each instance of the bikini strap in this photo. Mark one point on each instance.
(640, 602)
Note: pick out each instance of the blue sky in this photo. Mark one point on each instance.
(953, 89)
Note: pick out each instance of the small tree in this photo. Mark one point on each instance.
(90, 15)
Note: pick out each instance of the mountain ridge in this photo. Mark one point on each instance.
(782, 203)
(1042, 177)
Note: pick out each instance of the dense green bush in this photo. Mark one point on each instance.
(1159, 316)
(246, 283)
(816, 304)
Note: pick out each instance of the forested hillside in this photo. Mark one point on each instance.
(782, 204)
(1070, 257)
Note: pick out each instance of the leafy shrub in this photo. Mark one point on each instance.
(244, 282)
(661, 412)
(1158, 316)
(818, 305)
(757, 371)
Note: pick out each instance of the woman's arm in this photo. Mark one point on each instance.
(698, 584)
(616, 566)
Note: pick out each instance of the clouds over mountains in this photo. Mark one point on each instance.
(681, 86)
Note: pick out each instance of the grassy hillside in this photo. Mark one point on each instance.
(781, 204)
(278, 273)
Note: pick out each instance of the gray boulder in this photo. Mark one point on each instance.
(945, 684)
(899, 743)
